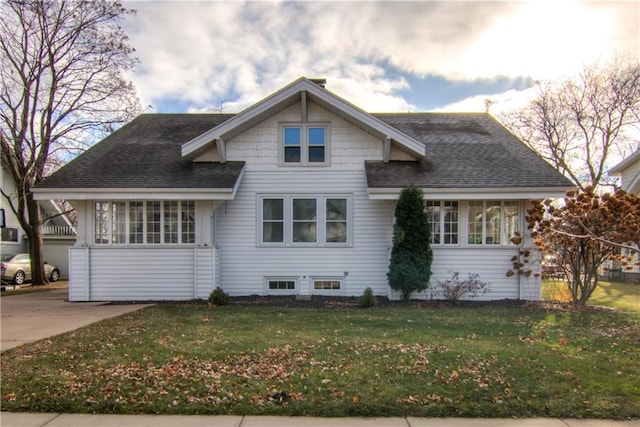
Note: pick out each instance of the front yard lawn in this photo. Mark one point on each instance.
(625, 296)
(488, 361)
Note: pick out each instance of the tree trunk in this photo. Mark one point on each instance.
(34, 234)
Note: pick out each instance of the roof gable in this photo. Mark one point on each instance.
(289, 95)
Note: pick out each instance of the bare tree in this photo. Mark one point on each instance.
(63, 66)
(576, 124)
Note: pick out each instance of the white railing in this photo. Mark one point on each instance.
(58, 230)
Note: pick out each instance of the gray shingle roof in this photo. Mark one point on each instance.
(145, 153)
(463, 150)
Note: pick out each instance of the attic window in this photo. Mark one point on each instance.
(305, 145)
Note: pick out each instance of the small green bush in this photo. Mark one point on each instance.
(368, 299)
(219, 297)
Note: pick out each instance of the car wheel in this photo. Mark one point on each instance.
(55, 275)
(18, 279)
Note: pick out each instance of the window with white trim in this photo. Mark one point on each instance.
(304, 144)
(304, 220)
(138, 222)
(327, 285)
(281, 284)
(443, 219)
(492, 222)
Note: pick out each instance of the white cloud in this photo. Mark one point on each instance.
(203, 53)
(496, 104)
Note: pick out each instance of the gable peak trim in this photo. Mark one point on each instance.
(291, 93)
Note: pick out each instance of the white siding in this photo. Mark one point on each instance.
(244, 264)
(491, 264)
(139, 274)
(79, 274)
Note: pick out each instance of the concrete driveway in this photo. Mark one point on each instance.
(31, 317)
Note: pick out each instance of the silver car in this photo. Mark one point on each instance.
(16, 269)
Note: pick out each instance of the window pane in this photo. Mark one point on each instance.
(119, 223)
(272, 209)
(336, 232)
(511, 220)
(304, 209)
(433, 216)
(136, 222)
(282, 285)
(336, 221)
(292, 143)
(316, 145)
(475, 223)
(304, 220)
(272, 220)
(316, 154)
(492, 222)
(101, 223)
(188, 221)
(153, 222)
(316, 136)
(291, 136)
(273, 232)
(337, 209)
(171, 222)
(9, 234)
(292, 154)
(450, 223)
(327, 285)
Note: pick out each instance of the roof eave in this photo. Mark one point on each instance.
(617, 169)
(518, 193)
(134, 193)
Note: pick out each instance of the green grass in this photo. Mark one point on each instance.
(625, 296)
(408, 361)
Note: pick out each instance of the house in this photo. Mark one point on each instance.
(629, 171)
(58, 232)
(294, 196)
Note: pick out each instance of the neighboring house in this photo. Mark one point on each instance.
(294, 196)
(58, 233)
(629, 171)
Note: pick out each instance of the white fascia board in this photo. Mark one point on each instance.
(617, 169)
(135, 193)
(473, 193)
(284, 94)
(249, 113)
(368, 120)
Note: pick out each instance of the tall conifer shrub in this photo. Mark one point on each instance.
(411, 256)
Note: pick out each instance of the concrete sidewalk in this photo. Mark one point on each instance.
(35, 316)
(11, 419)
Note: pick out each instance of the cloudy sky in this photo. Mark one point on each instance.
(382, 56)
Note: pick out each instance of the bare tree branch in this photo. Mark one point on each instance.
(62, 68)
(578, 123)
